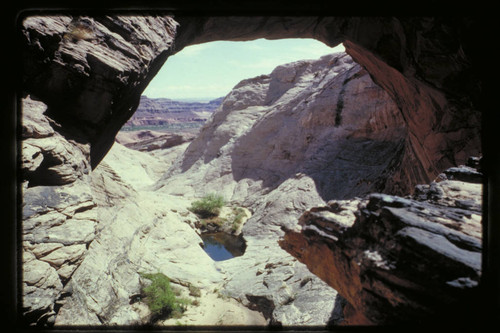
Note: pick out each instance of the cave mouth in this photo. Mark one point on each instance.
(222, 246)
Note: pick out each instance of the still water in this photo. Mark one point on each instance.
(222, 246)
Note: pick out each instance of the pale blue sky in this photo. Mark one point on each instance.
(211, 70)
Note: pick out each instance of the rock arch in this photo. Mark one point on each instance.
(92, 84)
(85, 75)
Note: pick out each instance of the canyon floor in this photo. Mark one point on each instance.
(213, 308)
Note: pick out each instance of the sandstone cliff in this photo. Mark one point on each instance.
(91, 71)
(146, 140)
(427, 66)
(84, 77)
(323, 125)
(282, 143)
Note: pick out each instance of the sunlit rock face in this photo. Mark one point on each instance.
(90, 71)
(307, 132)
(429, 66)
(274, 144)
(84, 77)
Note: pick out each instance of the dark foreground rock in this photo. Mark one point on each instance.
(396, 259)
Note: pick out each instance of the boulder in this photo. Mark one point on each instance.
(40, 288)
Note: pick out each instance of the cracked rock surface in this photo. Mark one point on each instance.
(399, 259)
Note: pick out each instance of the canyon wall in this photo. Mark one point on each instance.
(324, 120)
(83, 77)
(426, 65)
(160, 111)
(82, 80)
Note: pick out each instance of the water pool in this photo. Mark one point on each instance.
(222, 246)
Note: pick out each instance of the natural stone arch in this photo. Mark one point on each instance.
(420, 62)
(89, 72)
(424, 64)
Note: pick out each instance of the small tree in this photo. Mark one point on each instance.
(208, 206)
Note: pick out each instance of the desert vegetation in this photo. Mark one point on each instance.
(208, 206)
(210, 211)
(162, 300)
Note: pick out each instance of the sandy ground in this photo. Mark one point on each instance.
(215, 310)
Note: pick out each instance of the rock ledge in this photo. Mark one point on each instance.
(398, 259)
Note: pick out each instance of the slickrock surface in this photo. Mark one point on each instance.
(273, 146)
(58, 210)
(306, 119)
(141, 231)
(399, 259)
(429, 66)
(91, 71)
(87, 75)
(279, 145)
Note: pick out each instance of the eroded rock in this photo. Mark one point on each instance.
(398, 259)
(90, 72)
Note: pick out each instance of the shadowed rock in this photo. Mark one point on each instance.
(394, 259)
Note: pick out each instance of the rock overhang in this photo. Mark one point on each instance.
(450, 128)
(387, 56)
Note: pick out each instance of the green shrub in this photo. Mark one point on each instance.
(238, 219)
(208, 206)
(161, 299)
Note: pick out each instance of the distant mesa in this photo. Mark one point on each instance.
(165, 111)
(161, 123)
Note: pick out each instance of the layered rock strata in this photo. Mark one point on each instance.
(324, 120)
(429, 66)
(91, 71)
(160, 111)
(99, 66)
(399, 260)
(151, 140)
(85, 76)
(82, 79)
(58, 211)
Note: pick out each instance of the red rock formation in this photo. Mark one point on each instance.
(398, 260)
